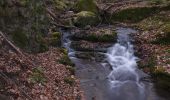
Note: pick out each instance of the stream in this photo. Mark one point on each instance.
(113, 75)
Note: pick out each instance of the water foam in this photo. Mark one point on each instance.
(122, 60)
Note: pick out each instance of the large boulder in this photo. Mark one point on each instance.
(86, 5)
(85, 18)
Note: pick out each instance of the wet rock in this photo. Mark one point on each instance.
(96, 35)
(98, 57)
(90, 46)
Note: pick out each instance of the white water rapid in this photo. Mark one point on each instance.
(121, 58)
(124, 65)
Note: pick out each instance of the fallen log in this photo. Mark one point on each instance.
(11, 44)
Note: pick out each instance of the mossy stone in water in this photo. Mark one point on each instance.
(86, 5)
(85, 18)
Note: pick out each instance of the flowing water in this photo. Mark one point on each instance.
(117, 76)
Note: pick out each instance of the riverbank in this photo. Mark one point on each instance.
(33, 65)
(152, 45)
(37, 76)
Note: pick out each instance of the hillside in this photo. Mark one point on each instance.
(84, 49)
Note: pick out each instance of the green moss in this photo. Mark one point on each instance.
(25, 23)
(20, 38)
(60, 4)
(64, 51)
(104, 38)
(55, 39)
(86, 5)
(69, 81)
(43, 47)
(98, 38)
(37, 76)
(85, 14)
(41, 44)
(85, 18)
(23, 2)
(150, 23)
(134, 14)
(65, 60)
(71, 69)
(56, 34)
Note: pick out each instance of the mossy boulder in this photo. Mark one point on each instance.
(60, 4)
(86, 5)
(55, 39)
(85, 18)
(134, 14)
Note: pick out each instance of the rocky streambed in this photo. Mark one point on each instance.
(106, 65)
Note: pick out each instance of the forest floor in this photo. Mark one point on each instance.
(36, 76)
